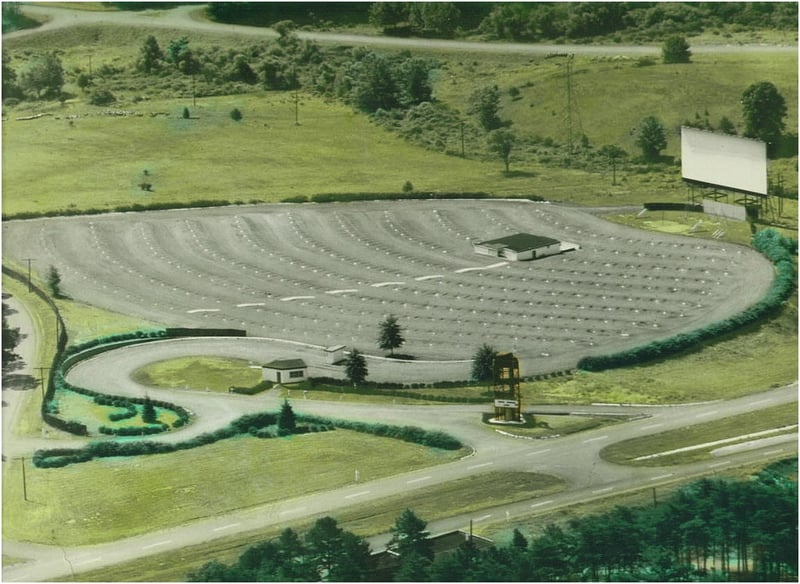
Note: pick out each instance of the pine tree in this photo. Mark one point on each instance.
(391, 335)
(286, 419)
(355, 367)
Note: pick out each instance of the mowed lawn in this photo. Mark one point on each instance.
(107, 499)
(98, 161)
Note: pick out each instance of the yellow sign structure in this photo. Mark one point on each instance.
(507, 392)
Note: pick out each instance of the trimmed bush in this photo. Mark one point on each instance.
(777, 249)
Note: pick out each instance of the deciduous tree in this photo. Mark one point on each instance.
(485, 104)
(501, 142)
(43, 77)
(764, 110)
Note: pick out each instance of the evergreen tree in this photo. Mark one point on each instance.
(149, 415)
(676, 50)
(409, 536)
(150, 56)
(391, 335)
(483, 363)
(286, 419)
(651, 138)
(355, 367)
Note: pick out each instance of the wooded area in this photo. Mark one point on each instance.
(710, 530)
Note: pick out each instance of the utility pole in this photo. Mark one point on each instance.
(29, 260)
(462, 139)
(41, 371)
(194, 92)
(569, 103)
(24, 481)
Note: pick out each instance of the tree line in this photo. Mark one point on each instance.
(524, 21)
(710, 530)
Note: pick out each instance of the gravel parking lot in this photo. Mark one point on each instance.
(328, 274)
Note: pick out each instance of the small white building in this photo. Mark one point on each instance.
(519, 247)
(334, 354)
(285, 371)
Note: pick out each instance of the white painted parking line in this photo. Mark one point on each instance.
(382, 284)
(152, 545)
(354, 495)
(543, 503)
(418, 480)
(249, 304)
(539, 452)
(341, 291)
(196, 310)
(659, 477)
(474, 466)
(423, 278)
(224, 527)
(595, 439)
(290, 298)
(605, 490)
(497, 265)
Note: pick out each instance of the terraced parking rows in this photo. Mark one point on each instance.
(328, 274)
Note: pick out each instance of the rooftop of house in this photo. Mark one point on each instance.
(285, 364)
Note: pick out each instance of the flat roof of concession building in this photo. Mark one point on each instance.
(520, 242)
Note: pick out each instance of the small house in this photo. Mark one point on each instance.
(285, 371)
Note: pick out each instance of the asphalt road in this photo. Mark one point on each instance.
(575, 458)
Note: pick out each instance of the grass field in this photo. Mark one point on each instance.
(211, 373)
(735, 426)
(147, 493)
(475, 493)
(266, 157)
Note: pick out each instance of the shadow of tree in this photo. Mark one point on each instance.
(19, 382)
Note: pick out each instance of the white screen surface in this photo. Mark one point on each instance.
(722, 160)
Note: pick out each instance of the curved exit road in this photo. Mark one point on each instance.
(574, 458)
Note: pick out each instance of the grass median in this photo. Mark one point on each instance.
(109, 499)
(734, 427)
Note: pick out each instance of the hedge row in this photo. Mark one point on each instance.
(433, 439)
(350, 197)
(318, 198)
(395, 389)
(261, 425)
(134, 208)
(252, 390)
(135, 430)
(773, 245)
